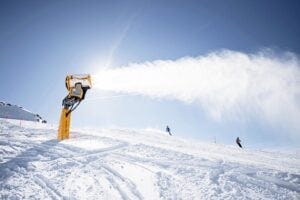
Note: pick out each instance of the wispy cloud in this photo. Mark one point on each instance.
(228, 85)
(121, 36)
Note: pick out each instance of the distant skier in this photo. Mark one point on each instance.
(168, 130)
(238, 141)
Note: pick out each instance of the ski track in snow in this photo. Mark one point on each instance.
(136, 164)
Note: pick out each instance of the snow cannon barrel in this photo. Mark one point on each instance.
(77, 86)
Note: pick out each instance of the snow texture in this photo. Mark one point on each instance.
(9, 111)
(137, 164)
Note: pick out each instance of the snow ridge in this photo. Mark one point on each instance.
(9, 111)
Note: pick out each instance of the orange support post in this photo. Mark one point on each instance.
(64, 125)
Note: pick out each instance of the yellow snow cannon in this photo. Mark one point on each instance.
(77, 85)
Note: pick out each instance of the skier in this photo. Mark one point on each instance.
(238, 141)
(168, 130)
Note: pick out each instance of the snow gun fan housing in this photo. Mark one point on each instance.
(77, 85)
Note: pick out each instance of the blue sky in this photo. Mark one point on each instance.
(43, 41)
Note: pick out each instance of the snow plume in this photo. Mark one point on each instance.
(226, 84)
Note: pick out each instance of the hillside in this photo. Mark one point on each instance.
(137, 164)
(9, 111)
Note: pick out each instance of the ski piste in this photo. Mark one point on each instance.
(137, 164)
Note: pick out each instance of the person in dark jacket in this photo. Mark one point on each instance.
(238, 141)
(168, 130)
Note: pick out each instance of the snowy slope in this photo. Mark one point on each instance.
(9, 111)
(137, 164)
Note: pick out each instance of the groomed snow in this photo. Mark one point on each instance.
(136, 164)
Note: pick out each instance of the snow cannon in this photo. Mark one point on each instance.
(77, 86)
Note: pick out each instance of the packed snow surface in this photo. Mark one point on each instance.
(137, 164)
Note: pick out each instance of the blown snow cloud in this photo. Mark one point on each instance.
(226, 84)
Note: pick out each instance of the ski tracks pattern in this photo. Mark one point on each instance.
(119, 169)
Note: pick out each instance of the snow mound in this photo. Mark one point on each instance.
(137, 164)
(9, 111)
